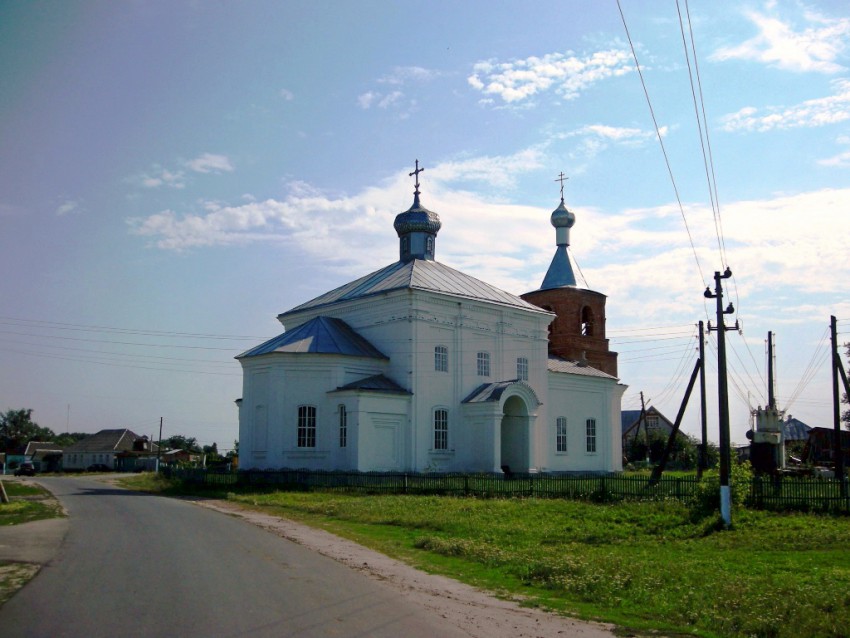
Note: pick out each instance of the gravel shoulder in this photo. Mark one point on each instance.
(474, 611)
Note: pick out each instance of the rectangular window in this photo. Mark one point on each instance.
(591, 435)
(561, 434)
(483, 364)
(441, 429)
(652, 423)
(343, 426)
(441, 359)
(306, 426)
(522, 369)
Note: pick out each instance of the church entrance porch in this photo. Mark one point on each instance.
(515, 436)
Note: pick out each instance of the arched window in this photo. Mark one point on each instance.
(587, 321)
(561, 434)
(306, 426)
(429, 245)
(441, 359)
(343, 426)
(441, 429)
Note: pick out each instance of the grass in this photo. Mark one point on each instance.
(643, 566)
(28, 502)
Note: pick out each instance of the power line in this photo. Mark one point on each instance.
(661, 142)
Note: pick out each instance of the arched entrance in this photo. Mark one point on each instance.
(515, 435)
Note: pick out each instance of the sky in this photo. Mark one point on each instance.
(174, 174)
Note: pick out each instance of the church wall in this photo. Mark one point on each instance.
(579, 398)
(274, 386)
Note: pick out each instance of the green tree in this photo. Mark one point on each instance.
(17, 429)
(180, 442)
(845, 417)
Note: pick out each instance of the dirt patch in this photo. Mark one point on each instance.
(474, 611)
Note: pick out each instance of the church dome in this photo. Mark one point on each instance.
(562, 218)
(417, 219)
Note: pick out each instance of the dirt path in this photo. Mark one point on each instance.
(473, 611)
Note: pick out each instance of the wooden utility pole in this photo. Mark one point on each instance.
(838, 453)
(159, 445)
(702, 466)
(723, 393)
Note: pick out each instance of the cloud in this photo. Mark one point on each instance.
(287, 95)
(409, 74)
(210, 163)
(842, 160)
(631, 255)
(67, 207)
(812, 49)
(162, 177)
(565, 73)
(816, 112)
(396, 99)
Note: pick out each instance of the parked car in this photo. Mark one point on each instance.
(25, 469)
(98, 467)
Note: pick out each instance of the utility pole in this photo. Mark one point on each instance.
(703, 450)
(723, 393)
(771, 397)
(159, 445)
(836, 401)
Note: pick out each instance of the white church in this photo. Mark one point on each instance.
(418, 367)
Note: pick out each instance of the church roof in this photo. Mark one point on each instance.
(557, 364)
(420, 274)
(321, 335)
(376, 383)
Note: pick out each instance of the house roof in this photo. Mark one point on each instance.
(629, 418)
(418, 274)
(321, 335)
(557, 364)
(376, 383)
(493, 391)
(105, 440)
(795, 429)
(44, 446)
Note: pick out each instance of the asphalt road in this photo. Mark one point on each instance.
(135, 564)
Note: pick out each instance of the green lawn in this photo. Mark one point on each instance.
(642, 566)
(28, 502)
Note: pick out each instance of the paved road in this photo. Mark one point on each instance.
(135, 564)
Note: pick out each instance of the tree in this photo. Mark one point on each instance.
(180, 442)
(17, 429)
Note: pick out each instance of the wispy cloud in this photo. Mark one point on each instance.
(814, 48)
(159, 176)
(210, 163)
(842, 160)
(817, 112)
(565, 73)
(287, 95)
(396, 99)
(67, 207)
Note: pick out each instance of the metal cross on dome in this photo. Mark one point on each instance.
(416, 172)
(561, 178)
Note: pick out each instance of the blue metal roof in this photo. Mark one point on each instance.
(487, 392)
(322, 335)
(418, 274)
(376, 383)
(560, 271)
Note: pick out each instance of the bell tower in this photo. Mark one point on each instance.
(578, 330)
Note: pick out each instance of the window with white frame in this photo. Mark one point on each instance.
(483, 364)
(441, 429)
(441, 359)
(522, 369)
(306, 426)
(561, 434)
(591, 435)
(652, 422)
(343, 426)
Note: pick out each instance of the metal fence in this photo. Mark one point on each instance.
(595, 487)
(769, 493)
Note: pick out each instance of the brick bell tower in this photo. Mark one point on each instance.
(578, 331)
